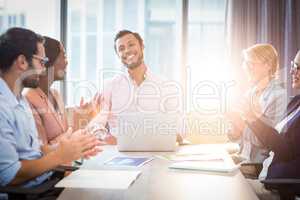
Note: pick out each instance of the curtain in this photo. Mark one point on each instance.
(263, 21)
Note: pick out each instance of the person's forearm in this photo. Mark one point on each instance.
(101, 118)
(48, 148)
(33, 168)
(234, 135)
(272, 139)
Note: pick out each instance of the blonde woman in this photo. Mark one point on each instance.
(266, 97)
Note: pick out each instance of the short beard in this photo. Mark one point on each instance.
(136, 64)
(30, 83)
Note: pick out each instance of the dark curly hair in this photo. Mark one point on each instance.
(52, 50)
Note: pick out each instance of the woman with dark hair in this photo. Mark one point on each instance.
(47, 104)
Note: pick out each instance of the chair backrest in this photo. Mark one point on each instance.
(287, 188)
(46, 190)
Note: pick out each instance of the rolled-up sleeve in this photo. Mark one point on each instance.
(9, 159)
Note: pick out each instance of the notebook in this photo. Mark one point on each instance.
(99, 179)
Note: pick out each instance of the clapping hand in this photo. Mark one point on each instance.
(91, 106)
(77, 145)
(237, 125)
(88, 110)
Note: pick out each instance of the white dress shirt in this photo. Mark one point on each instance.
(122, 95)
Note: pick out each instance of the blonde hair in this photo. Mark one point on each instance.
(263, 53)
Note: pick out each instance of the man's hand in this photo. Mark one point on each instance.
(110, 140)
(71, 146)
(79, 144)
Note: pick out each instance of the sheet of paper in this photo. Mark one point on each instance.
(200, 150)
(206, 157)
(101, 179)
(213, 166)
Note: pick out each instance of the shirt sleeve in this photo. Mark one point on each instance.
(286, 148)
(9, 159)
(273, 111)
(276, 107)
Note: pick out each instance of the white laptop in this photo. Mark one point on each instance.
(146, 132)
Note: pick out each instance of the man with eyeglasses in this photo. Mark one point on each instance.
(22, 59)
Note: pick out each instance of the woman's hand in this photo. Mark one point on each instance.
(92, 107)
(237, 125)
(250, 108)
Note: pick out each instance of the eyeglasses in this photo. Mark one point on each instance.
(249, 64)
(295, 66)
(43, 60)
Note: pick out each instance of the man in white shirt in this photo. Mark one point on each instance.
(139, 90)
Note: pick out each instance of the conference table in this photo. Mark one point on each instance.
(158, 182)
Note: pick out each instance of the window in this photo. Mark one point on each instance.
(39, 16)
(92, 25)
(162, 37)
(207, 68)
(42, 17)
(206, 36)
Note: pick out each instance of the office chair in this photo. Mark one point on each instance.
(251, 170)
(288, 189)
(44, 191)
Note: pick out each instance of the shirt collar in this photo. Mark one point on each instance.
(8, 94)
(147, 76)
(269, 85)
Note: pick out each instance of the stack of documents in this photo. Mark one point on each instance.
(101, 179)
